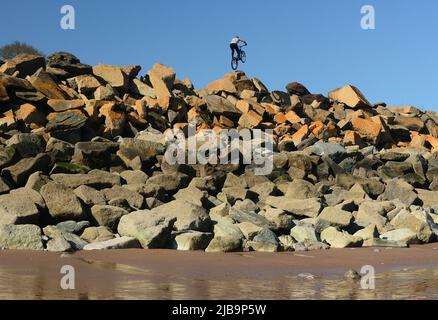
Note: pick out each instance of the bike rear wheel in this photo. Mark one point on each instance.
(234, 63)
(243, 56)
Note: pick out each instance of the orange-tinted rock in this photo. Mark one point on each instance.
(292, 117)
(65, 120)
(115, 122)
(141, 108)
(87, 83)
(162, 79)
(113, 75)
(271, 109)
(243, 105)
(225, 122)
(25, 64)
(352, 138)
(300, 135)
(367, 128)
(250, 119)
(433, 142)
(8, 121)
(349, 95)
(63, 105)
(248, 94)
(220, 85)
(12, 83)
(280, 118)
(417, 140)
(43, 83)
(316, 128)
(30, 115)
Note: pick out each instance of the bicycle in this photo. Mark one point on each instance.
(241, 57)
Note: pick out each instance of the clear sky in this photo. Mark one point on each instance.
(316, 42)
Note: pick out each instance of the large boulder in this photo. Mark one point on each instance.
(20, 237)
(27, 144)
(16, 209)
(44, 83)
(66, 65)
(217, 105)
(97, 179)
(188, 215)
(151, 230)
(401, 190)
(61, 202)
(61, 240)
(20, 172)
(108, 216)
(338, 239)
(297, 89)
(224, 244)
(162, 79)
(97, 234)
(349, 95)
(336, 217)
(8, 83)
(113, 75)
(134, 199)
(417, 222)
(299, 207)
(191, 240)
(25, 64)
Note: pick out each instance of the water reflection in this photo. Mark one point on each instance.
(104, 280)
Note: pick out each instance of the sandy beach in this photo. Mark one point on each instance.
(166, 274)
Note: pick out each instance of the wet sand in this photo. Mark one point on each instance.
(167, 274)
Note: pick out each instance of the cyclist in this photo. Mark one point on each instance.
(234, 45)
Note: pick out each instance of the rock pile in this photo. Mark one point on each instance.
(82, 166)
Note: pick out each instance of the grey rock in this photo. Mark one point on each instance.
(27, 144)
(134, 199)
(134, 176)
(299, 207)
(336, 217)
(116, 243)
(301, 189)
(151, 230)
(20, 237)
(17, 210)
(73, 226)
(188, 215)
(97, 234)
(224, 244)
(191, 240)
(20, 172)
(97, 179)
(61, 202)
(399, 189)
(36, 180)
(107, 216)
(76, 243)
(89, 196)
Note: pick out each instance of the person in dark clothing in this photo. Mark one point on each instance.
(234, 45)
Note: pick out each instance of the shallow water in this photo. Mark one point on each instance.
(98, 277)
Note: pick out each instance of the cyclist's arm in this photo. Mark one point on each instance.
(243, 41)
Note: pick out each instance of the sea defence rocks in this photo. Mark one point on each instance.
(84, 163)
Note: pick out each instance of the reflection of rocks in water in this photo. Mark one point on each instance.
(108, 280)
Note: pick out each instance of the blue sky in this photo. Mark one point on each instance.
(316, 42)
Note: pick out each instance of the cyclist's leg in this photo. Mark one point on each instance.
(233, 49)
(238, 52)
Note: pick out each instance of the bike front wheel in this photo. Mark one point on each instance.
(234, 63)
(243, 56)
